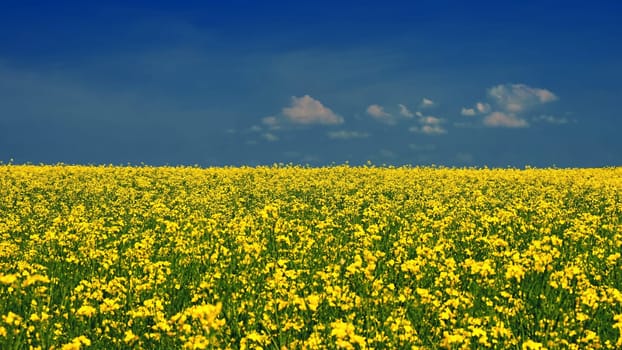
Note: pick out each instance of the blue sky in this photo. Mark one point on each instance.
(451, 83)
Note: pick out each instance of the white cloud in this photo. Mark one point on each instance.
(405, 112)
(377, 111)
(307, 110)
(469, 112)
(551, 119)
(270, 137)
(429, 129)
(430, 125)
(515, 98)
(419, 114)
(379, 114)
(511, 103)
(431, 120)
(433, 130)
(303, 111)
(271, 121)
(482, 107)
(504, 120)
(346, 135)
(426, 102)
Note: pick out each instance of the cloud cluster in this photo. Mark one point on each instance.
(347, 135)
(303, 110)
(515, 98)
(268, 136)
(429, 125)
(405, 112)
(511, 102)
(377, 112)
(426, 103)
(506, 107)
(479, 108)
(307, 110)
(550, 119)
(507, 120)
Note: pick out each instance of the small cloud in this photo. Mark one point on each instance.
(426, 103)
(504, 120)
(482, 107)
(515, 98)
(378, 113)
(419, 114)
(511, 102)
(431, 120)
(271, 121)
(347, 135)
(551, 119)
(405, 112)
(255, 128)
(433, 130)
(307, 110)
(303, 111)
(469, 112)
(430, 125)
(429, 129)
(270, 137)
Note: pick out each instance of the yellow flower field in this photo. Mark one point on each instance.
(292, 257)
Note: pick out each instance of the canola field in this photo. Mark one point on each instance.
(288, 257)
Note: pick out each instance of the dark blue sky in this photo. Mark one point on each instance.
(257, 82)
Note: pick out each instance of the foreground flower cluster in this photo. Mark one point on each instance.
(291, 257)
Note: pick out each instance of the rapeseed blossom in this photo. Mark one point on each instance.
(293, 257)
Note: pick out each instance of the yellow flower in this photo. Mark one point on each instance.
(255, 337)
(71, 346)
(8, 279)
(532, 345)
(515, 271)
(197, 342)
(207, 314)
(86, 310)
(76, 343)
(341, 329)
(12, 319)
(345, 334)
(452, 338)
(34, 279)
(313, 302)
(130, 336)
